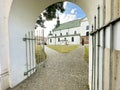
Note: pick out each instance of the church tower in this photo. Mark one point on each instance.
(58, 22)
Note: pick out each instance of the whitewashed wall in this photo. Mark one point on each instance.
(22, 19)
(4, 44)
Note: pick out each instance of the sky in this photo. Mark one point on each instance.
(72, 12)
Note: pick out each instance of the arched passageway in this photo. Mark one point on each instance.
(18, 17)
(22, 19)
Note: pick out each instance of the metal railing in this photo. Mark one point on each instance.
(32, 42)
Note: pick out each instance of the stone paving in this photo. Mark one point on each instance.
(66, 71)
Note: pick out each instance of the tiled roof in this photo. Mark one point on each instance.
(67, 25)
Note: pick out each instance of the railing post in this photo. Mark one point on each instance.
(26, 44)
(43, 49)
(111, 56)
(92, 81)
(103, 58)
(98, 46)
(94, 53)
(29, 51)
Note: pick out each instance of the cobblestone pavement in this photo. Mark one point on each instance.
(66, 71)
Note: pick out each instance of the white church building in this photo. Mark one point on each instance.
(69, 33)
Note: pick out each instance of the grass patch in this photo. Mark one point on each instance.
(87, 87)
(63, 48)
(39, 54)
(86, 54)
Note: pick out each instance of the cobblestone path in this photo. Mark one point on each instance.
(66, 71)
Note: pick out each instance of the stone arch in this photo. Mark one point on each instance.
(21, 17)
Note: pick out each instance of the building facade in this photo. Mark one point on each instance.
(70, 33)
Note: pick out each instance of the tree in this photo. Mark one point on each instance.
(50, 12)
(40, 21)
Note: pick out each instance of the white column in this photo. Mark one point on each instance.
(4, 44)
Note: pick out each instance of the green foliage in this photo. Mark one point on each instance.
(39, 54)
(50, 12)
(86, 54)
(40, 21)
(63, 48)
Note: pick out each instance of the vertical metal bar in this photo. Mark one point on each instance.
(94, 53)
(29, 52)
(103, 58)
(104, 11)
(40, 38)
(43, 41)
(98, 9)
(95, 62)
(98, 16)
(44, 49)
(38, 47)
(26, 53)
(95, 23)
(35, 43)
(98, 46)
(32, 50)
(103, 53)
(92, 81)
(111, 50)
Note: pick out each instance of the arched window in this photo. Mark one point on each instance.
(75, 32)
(67, 33)
(72, 39)
(60, 34)
(58, 39)
(50, 40)
(87, 27)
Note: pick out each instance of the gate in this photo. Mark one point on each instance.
(34, 51)
(104, 44)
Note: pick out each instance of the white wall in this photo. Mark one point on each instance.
(83, 30)
(22, 19)
(4, 44)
